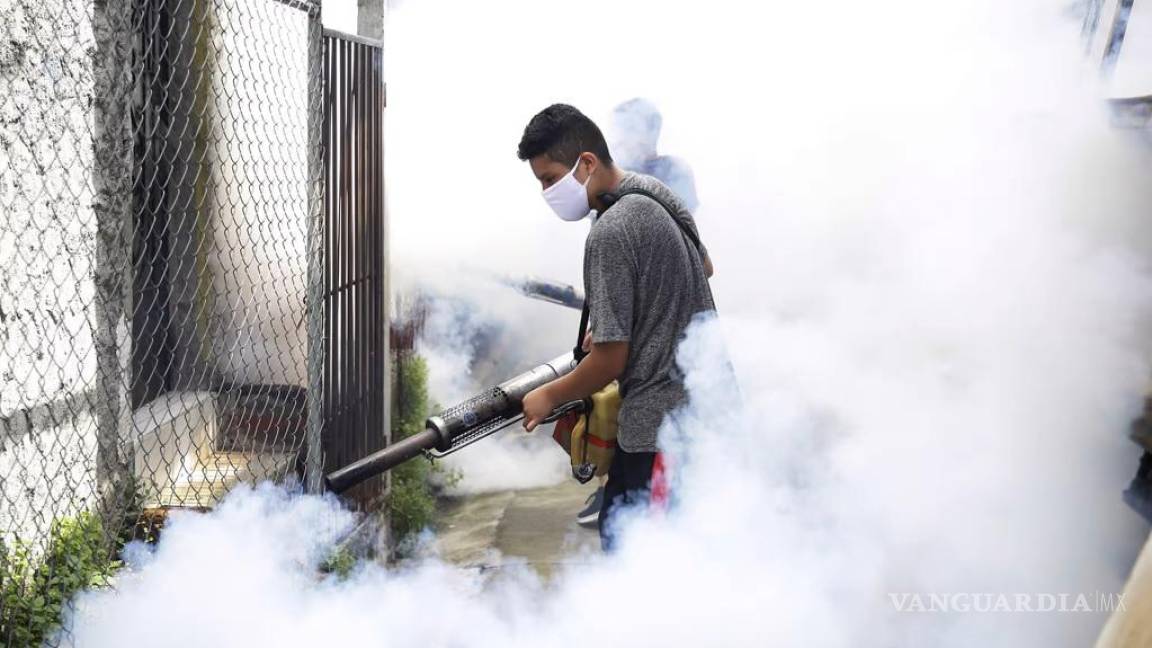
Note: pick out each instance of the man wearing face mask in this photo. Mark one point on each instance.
(645, 278)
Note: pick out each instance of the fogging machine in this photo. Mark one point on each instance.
(461, 425)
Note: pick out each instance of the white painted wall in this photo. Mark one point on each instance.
(47, 257)
(259, 165)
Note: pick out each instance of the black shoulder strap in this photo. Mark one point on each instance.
(578, 350)
(610, 199)
(692, 236)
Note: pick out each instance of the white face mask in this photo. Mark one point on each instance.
(568, 197)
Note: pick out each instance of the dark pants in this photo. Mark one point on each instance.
(628, 484)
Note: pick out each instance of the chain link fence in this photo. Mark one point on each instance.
(160, 181)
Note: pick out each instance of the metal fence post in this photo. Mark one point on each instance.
(370, 19)
(315, 310)
(389, 389)
(112, 203)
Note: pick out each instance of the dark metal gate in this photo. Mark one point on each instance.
(355, 314)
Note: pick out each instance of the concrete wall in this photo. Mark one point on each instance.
(48, 364)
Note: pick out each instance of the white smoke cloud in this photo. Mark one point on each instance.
(475, 336)
(509, 460)
(931, 272)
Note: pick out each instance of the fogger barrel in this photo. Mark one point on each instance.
(457, 426)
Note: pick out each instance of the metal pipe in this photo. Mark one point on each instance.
(460, 424)
(341, 480)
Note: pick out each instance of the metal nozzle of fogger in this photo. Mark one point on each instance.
(460, 425)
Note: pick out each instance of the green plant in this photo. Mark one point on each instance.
(412, 502)
(134, 522)
(411, 404)
(340, 562)
(35, 588)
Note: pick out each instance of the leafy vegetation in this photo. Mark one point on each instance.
(340, 563)
(411, 504)
(35, 588)
(412, 501)
(38, 580)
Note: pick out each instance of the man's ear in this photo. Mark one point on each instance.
(585, 162)
(588, 161)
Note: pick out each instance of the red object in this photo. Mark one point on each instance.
(600, 443)
(562, 433)
(658, 502)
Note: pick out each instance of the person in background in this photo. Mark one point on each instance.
(645, 279)
(635, 136)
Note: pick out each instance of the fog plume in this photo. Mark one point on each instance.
(931, 271)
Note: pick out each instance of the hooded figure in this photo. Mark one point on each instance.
(635, 134)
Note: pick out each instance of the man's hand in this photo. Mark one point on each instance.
(604, 364)
(538, 404)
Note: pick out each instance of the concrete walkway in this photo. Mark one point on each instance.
(536, 526)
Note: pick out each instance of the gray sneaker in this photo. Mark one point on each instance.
(591, 513)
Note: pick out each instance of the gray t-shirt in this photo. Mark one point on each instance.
(644, 282)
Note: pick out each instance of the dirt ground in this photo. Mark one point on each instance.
(535, 526)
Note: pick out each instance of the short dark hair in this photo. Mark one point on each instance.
(562, 133)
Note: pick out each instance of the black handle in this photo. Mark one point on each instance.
(577, 406)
